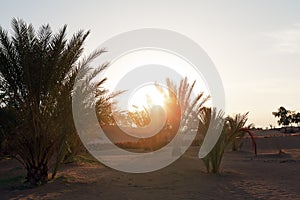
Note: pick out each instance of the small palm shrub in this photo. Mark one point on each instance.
(233, 128)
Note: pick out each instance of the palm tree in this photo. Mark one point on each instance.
(237, 130)
(182, 110)
(37, 74)
(180, 107)
(181, 113)
(140, 118)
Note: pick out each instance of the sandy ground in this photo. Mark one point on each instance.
(268, 176)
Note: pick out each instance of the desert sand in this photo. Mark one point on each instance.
(273, 174)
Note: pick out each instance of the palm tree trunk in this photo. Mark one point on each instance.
(37, 174)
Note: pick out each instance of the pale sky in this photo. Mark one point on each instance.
(255, 45)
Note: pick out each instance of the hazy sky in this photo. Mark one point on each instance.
(255, 45)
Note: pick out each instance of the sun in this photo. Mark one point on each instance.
(146, 96)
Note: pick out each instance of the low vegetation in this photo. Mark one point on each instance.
(233, 129)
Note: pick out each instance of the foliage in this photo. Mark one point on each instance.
(181, 111)
(287, 117)
(37, 73)
(296, 118)
(237, 142)
(179, 105)
(232, 129)
(140, 118)
(284, 116)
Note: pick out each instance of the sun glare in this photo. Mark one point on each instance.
(146, 96)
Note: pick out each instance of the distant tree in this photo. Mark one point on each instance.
(296, 119)
(37, 74)
(284, 117)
